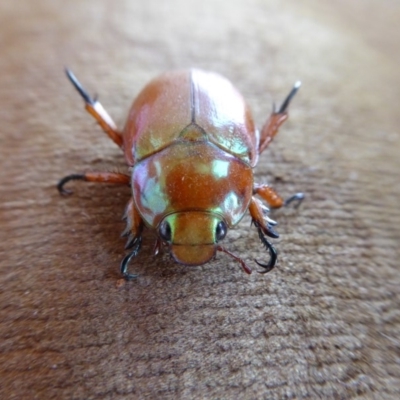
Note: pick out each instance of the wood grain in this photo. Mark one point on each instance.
(324, 324)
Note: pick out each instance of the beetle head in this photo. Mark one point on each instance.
(192, 235)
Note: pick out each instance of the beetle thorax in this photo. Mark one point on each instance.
(195, 176)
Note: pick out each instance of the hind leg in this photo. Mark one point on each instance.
(277, 118)
(96, 110)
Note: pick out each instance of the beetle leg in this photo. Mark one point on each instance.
(260, 219)
(100, 177)
(268, 194)
(133, 230)
(126, 260)
(272, 261)
(134, 225)
(298, 198)
(277, 118)
(96, 110)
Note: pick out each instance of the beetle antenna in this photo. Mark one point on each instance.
(289, 98)
(272, 252)
(125, 262)
(244, 266)
(78, 87)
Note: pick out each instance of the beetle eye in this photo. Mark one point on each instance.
(165, 231)
(221, 231)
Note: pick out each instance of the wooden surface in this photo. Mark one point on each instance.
(324, 324)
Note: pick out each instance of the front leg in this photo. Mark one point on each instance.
(264, 226)
(259, 215)
(259, 212)
(133, 230)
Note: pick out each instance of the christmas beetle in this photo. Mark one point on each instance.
(191, 145)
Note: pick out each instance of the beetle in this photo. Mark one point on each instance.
(191, 145)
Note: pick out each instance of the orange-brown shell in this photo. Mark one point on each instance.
(179, 99)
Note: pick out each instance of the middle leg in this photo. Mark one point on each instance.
(99, 177)
(268, 194)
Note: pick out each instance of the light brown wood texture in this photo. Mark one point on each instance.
(324, 324)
